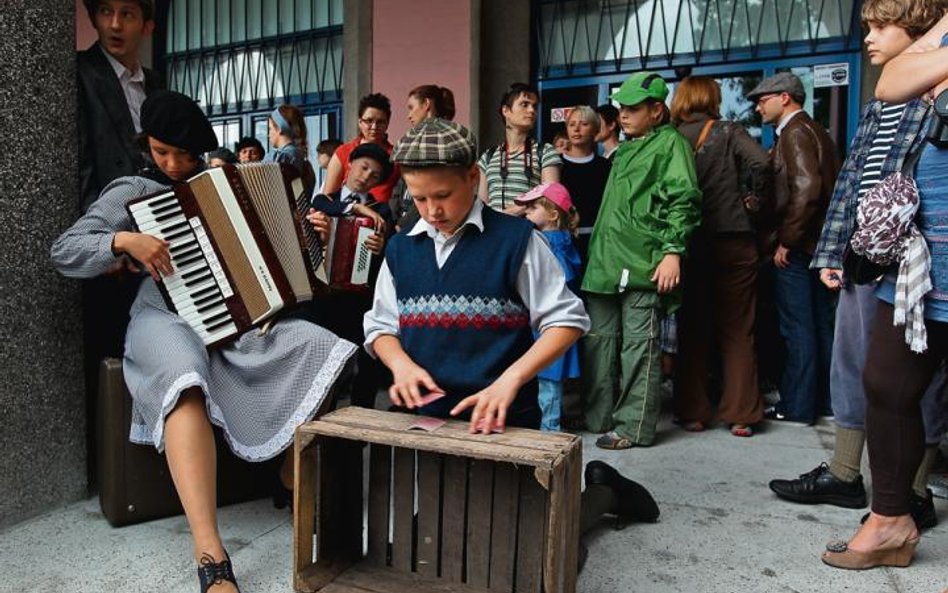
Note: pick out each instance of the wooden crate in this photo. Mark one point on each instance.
(447, 511)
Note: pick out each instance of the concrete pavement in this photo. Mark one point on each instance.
(721, 530)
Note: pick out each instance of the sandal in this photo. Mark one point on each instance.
(611, 440)
(742, 430)
(212, 573)
(838, 555)
(692, 426)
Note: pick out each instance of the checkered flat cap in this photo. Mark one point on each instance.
(436, 142)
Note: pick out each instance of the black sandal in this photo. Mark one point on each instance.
(214, 573)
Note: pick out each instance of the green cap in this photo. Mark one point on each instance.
(639, 87)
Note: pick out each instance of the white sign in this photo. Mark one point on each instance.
(560, 114)
(831, 75)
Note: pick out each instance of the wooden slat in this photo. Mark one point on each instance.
(556, 523)
(304, 497)
(479, 503)
(380, 477)
(427, 543)
(364, 578)
(403, 509)
(397, 424)
(571, 531)
(531, 531)
(503, 537)
(453, 511)
(476, 447)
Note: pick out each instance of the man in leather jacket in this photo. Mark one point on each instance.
(805, 167)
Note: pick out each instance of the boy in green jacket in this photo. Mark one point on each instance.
(650, 207)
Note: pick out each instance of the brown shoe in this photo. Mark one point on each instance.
(839, 555)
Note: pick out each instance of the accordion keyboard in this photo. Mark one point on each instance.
(198, 287)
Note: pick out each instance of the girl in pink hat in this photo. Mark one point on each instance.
(550, 209)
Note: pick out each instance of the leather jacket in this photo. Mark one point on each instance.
(806, 164)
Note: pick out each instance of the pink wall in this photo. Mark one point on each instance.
(418, 42)
(85, 34)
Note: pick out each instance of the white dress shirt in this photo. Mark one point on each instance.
(133, 86)
(541, 283)
(785, 120)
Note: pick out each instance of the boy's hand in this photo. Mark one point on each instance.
(320, 222)
(375, 243)
(490, 405)
(668, 273)
(405, 390)
(377, 221)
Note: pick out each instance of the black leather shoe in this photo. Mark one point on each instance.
(922, 509)
(634, 503)
(820, 486)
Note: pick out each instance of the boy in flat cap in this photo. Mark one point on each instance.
(455, 302)
(649, 209)
(805, 167)
(460, 291)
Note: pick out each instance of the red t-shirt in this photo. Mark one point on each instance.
(381, 192)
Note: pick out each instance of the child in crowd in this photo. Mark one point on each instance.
(550, 209)
(287, 133)
(463, 262)
(325, 150)
(341, 311)
(561, 142)
(650, 207)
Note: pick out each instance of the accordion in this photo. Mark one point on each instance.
(348, 259)
(240, 244)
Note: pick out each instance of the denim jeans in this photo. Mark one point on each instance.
(550, 399)
(854, 316)
(805, 313)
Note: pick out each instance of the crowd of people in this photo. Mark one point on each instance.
(545, 285)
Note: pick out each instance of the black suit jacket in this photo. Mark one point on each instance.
(106, 147)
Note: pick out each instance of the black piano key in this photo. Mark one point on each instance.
(197, 280)
(184, 261)
(213, 328)
(208, 306)
(210, 291)
(213, 321)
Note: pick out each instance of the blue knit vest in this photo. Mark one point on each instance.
(465, 323)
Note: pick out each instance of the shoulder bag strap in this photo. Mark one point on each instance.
(703, 137)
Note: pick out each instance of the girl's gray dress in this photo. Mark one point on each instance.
(258, 388)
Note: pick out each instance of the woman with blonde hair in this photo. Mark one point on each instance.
(584, 172)
(720, 273)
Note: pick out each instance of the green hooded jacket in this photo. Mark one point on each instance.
(649, 208)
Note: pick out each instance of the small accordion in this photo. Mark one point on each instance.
(348, 259)
(240, 244)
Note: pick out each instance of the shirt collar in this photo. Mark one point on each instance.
(345, 192)
(474, 218)
(785, 120)
(120, 70)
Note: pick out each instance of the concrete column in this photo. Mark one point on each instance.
(357, 64)
(42, 402)
(505, 57)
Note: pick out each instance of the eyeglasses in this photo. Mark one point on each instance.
(765, 98)
(374, 123)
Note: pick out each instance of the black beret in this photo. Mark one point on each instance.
(376, 153)
(177, 120)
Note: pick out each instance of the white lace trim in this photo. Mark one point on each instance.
(341, 352)
(139, 433)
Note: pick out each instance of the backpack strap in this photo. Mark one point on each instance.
(703, 136)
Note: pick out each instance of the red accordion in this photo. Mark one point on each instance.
(348, 258)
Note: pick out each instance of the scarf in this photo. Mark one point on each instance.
(886, 234)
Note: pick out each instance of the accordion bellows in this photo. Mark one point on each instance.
(240, 245)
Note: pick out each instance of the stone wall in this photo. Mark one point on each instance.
(42, 405)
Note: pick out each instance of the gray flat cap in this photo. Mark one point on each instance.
(781, 82)
(436, 142)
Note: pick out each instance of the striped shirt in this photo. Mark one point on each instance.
(889, 119)
(501, 192)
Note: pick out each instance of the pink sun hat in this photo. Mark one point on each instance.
(553, 191)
